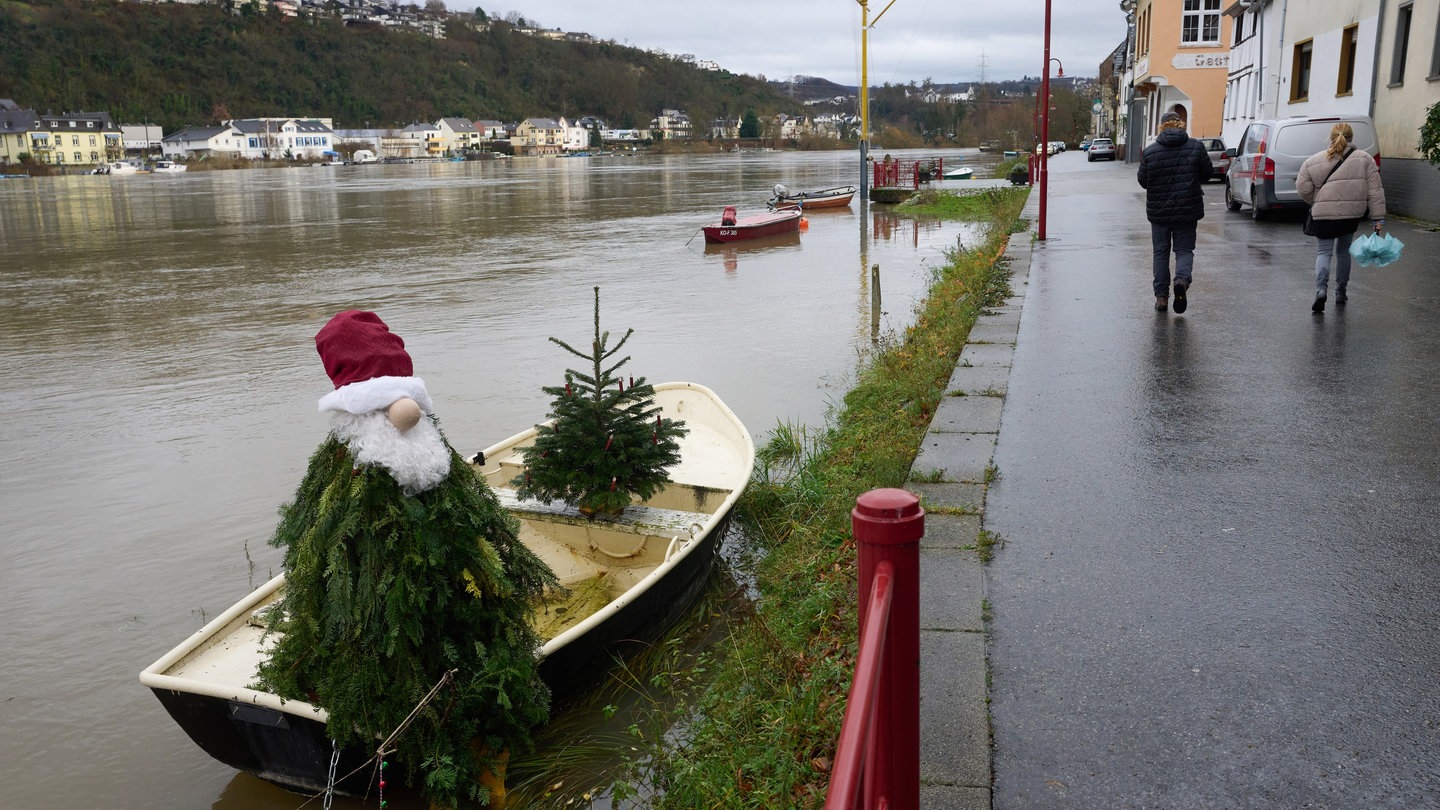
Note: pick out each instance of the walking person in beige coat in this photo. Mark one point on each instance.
(1342, 186)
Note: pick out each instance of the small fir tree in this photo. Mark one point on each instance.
(607, 440)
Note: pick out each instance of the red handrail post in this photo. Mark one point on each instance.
(888, 524)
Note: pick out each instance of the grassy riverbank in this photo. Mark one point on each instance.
(762, 731)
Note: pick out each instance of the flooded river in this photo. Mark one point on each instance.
(156, 343)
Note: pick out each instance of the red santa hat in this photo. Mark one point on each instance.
(368, 365)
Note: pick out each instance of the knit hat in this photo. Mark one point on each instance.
(367, 363)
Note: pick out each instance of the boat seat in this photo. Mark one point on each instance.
(635, 519)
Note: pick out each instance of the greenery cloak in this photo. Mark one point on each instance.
(385, 593)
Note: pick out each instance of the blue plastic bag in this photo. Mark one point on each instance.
(1377, 250)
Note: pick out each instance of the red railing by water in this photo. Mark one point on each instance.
(877, 762)
(893, 173)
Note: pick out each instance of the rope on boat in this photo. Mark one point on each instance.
(384, 749)
(698, 231)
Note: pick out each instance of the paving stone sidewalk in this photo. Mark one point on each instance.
(956, 455)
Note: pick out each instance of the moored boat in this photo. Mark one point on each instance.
(167, 167)
(734, 228)
(959, 173)
(836, 197)
(641, 570)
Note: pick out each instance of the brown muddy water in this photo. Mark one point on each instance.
(156, 345)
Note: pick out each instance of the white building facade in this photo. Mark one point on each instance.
(1379, 58)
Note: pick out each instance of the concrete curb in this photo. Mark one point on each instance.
(957, 451)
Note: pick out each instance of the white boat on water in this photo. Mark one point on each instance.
(117, 167)
(650, 564)
(167, 167)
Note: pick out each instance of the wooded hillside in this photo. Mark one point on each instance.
(179, 65)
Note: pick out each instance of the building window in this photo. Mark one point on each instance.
(1200, 22)
(1349, 44)
(1435, 52)
(1300, 71)
(1402, 43)
(1239, 30)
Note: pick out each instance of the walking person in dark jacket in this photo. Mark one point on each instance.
(1172, 170)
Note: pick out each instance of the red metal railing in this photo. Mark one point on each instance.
(894, 174)
(877, 762)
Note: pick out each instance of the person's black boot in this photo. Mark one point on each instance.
(1319, 305)
(1340, 297)
(1180, 302)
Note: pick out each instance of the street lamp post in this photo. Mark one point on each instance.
(865, 24)
(1045, 127)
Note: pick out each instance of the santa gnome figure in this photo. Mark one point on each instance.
(401, 567)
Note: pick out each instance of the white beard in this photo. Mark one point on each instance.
(417, 459)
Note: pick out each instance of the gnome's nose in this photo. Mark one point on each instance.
(404, 413)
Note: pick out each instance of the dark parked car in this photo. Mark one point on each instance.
(1219, 161)
(1100, 149)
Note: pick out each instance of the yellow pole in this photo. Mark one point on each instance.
(864, 71)
(865, 24)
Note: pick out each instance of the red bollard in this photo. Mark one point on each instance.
(888, 525)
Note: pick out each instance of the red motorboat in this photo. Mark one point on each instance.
(734, 228)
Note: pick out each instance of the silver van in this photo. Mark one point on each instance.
(1264, 164)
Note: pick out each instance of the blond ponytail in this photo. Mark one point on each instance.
(1340, 137)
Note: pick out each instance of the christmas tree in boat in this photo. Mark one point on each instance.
(419, 586)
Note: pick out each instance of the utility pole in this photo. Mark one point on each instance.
(865, 24)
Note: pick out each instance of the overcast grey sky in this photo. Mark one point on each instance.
(942, 40)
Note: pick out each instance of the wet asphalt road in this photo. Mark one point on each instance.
(1218, 584)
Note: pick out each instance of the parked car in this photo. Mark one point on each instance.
(1100, 149)
(1085, 145)
(1264, 165)
(1219, 161)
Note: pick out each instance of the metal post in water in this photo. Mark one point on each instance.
(875, 303)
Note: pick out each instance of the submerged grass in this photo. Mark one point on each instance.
(763, 731)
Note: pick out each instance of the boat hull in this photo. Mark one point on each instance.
(204, 683)
(294, 751)
(813, 200)
(281, 748)
(754, 227)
